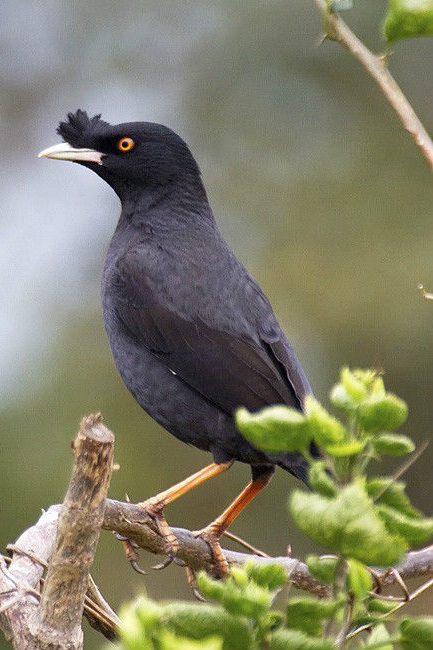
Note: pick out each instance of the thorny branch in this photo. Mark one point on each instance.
(337, 30)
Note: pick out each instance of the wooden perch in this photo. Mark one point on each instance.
(53, 619)
(130, 520)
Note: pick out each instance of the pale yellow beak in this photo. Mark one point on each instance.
(64, 151)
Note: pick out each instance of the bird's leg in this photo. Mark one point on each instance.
(212, 533)
(155, 505)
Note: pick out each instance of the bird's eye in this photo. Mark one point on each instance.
(125, 144)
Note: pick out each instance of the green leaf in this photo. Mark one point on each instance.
(270, 575)
(380, 606)
(325, 429)
(239, 576)
(408, 18)
(322, 568)
(378, 635)
(132, 631)
(306, 613)
(250, 602)
(347, 524)
(416, 633)
(201, 621)
(382, 413)
(297, 640)
(377, 387)
(271, 620)
(168, 641)
(358, 579)
(274, 429)
(149, 612)
(355, 383)
(415, 531)
(210, 588)
(393, 444)
(341, 399)
(350, 448)
(392, 494)
(319, 479)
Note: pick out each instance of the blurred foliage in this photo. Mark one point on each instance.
(352, 521)
(408, 18)
(311, 177)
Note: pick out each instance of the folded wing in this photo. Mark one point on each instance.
(229, 369)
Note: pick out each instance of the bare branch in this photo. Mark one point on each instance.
(130, 520)
(337, 30)
(55, 621)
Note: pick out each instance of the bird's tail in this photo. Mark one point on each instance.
(295, 463)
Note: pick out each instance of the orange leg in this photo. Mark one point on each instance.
(216, 528)
(155, 505)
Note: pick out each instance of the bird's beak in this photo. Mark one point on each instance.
(64, 151)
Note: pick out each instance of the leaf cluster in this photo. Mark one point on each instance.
(241, 616)
(363, 521)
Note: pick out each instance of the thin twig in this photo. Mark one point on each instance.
(401, 604)
(337, 30)
(402, 469)
(245, 544)
(341, 637)
(96, 609)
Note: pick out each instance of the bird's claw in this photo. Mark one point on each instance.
(137, 567)
(130, 551)
(154, 511)
(192, 583)
(211, 536)
(171, 557)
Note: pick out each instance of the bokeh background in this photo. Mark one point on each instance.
(314, 183)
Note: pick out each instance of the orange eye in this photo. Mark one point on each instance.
(125, 144)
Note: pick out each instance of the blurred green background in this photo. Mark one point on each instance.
(313, 180)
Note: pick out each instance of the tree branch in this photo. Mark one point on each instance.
(53, 619)
(337, 30)
(130, 520)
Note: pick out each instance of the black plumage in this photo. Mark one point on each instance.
(191, 331)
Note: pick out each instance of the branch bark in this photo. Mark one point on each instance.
(337, 30)
(53, 619)
(130, 520)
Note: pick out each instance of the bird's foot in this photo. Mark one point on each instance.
(211, 534)
(131, 552)
(154, 509)
(192, 584)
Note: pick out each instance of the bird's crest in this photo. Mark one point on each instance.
(79, 126)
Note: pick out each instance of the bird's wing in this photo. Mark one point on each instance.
(229, 369)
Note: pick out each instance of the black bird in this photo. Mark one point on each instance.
(192, 333)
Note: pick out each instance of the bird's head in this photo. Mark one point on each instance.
(134, 156)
